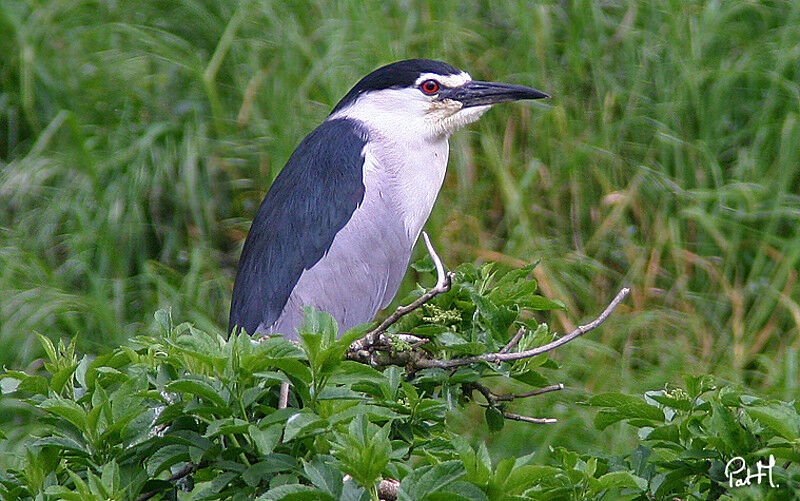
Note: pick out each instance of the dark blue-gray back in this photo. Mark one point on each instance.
(309, 202)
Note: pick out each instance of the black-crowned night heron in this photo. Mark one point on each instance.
(337, 228)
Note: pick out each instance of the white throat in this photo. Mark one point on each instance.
(407, 149)
(407, 177)
(404, 169)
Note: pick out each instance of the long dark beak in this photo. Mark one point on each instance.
(477, 93)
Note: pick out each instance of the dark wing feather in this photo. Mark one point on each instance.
(309, 202)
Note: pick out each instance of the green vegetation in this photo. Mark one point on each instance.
(201, 410)
(137, 140)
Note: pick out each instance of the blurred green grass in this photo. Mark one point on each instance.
(137, 140)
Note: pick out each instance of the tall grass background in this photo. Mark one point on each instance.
(138, 138)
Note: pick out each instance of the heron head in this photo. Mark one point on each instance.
(424, 98)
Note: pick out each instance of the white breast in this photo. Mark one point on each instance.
(405, 155)
(408, 176)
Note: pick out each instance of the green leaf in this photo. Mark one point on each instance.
(532, 378)
(272, 463)
(163, 318)
(483, 455)
(339, 393)
(198, 388)
(393, 378)
(373, 412)
(429, 409)
(536, 302)
(457, 491)
(729, 436)
(265, 439)
(675, 403)
(667, 433)
(66, 409)
(61, 376)
(63, 444)
(349, 372)
(524, 477)
(295, 492)
(427, 480)
(317, 334)
(165, 457)
(494, 418)
(458, 346)
(364, 452)
(495, 318)
(628, 406)
(464, 375)
(514, 284)
(226, 426)
(325, 477)
(210, 489)
(49, 348)
(9, 383)
(293, 368)
(300, 422)
(607, 417)
(697, 385)
(110, 476)
(619, 480)
(781, 418)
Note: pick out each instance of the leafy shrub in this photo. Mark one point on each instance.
(188, 414)
(691, 434)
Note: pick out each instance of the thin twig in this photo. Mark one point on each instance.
(507, 357)
(444, 280)
(483, 390)
(527, 419)
(492, 397)
(540, 391)
(514, 340)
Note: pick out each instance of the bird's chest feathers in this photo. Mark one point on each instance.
(407, 177)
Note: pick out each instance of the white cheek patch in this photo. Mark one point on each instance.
(456, 80)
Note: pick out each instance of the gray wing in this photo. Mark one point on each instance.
(361, 271)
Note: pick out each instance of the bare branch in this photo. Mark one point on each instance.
(507, 357)
(492, 397)
(486, 392)
(526, 419)
(444, 280)
(540, 391)
(366, 349)
(383, 350)
(514, 340)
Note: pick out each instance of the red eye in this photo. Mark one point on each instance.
(430, 86)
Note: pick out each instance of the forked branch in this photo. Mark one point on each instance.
(492, 399)
(509, 357)
(380, 349)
